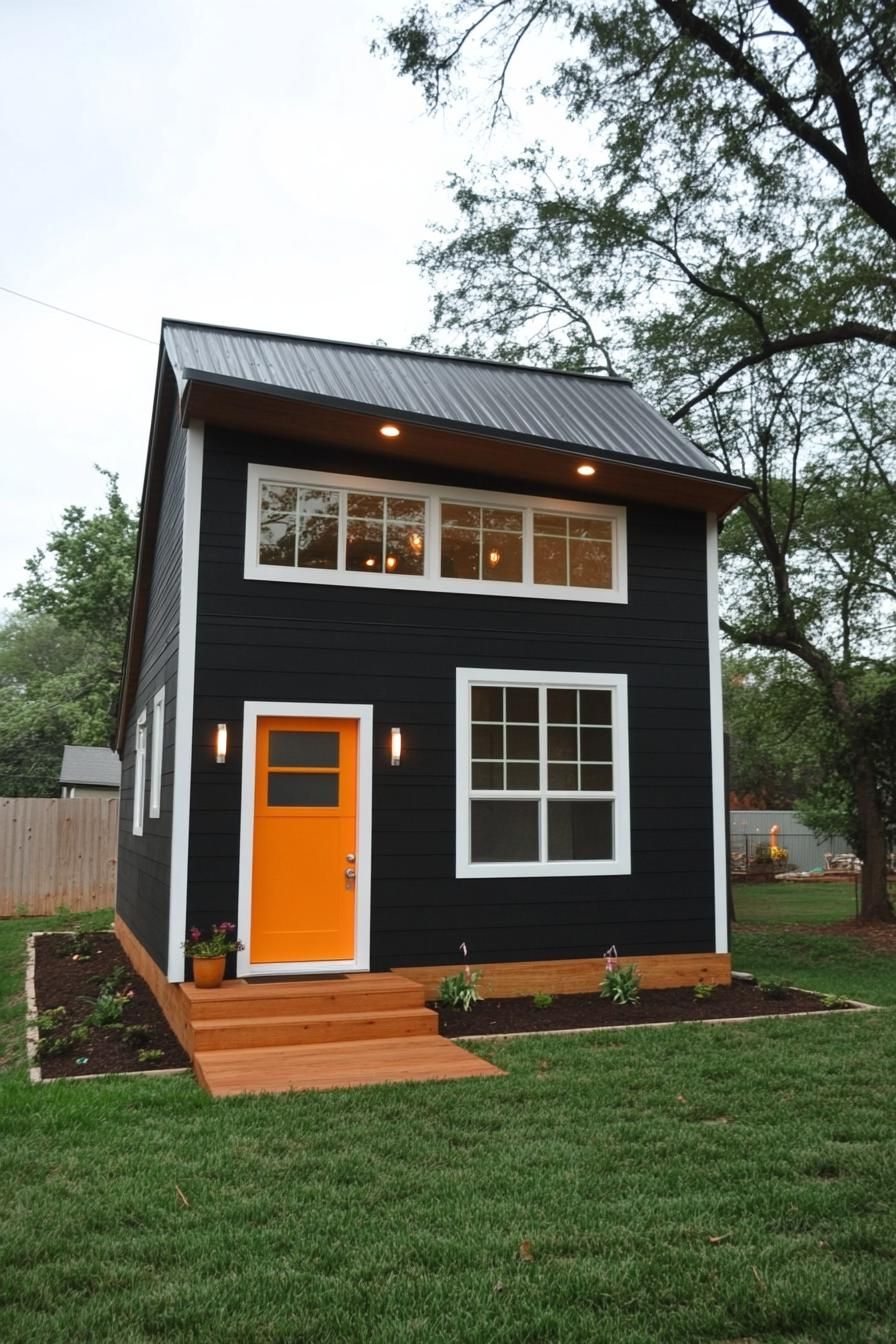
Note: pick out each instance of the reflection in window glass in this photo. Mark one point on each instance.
(335, 528)
(572, 551)
(482, 543)
(385, 534)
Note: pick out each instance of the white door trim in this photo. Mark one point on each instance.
(717, 735)
(363, 714)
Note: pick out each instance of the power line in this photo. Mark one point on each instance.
(80, 316)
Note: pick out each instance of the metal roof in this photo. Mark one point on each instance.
(90, 765)
(570, 410)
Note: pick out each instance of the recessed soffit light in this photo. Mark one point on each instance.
(586, 469)
(390, 431)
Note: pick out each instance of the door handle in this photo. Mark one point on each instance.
(350, 872)
(349, 878)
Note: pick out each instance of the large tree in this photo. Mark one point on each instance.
(730, 244)
(61, 651)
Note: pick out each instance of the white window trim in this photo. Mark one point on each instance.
(431, 580)
(617, 684)
(157, 742)
(139, 772)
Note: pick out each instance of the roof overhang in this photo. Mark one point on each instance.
(544, 464)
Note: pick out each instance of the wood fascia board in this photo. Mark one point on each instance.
(230, 404)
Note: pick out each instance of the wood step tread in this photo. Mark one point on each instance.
(337, 1064)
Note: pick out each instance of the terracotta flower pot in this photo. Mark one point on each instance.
(208, 972)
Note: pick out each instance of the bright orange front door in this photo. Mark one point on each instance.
(303, 864)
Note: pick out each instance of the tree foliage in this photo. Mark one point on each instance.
(738, 147)
(729, 243)
(61, 651)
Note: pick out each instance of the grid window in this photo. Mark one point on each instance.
(300, 528)
(314, 527)
(572, 551)
(544, 784)
(482, 543)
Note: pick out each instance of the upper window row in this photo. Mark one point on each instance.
(319, 528)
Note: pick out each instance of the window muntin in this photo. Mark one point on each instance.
(157, 742)
(542, 774)
(313, 527)
(139, 772)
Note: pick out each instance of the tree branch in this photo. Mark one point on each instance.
(801, 340)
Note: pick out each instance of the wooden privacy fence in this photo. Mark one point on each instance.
(57, 851)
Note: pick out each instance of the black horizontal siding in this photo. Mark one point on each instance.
(144, 873)
(399, 651)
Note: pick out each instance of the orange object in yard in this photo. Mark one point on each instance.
(304, 861)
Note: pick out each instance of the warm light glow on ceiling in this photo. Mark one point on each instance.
(390, 431)
(415, 541)
(586, 469)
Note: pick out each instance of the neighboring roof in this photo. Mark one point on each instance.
(568, 410)
(97, 766)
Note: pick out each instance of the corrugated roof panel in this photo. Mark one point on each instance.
(601, 414)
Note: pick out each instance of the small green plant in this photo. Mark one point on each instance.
(704, 990)
(622, 984)
(137, 1034)
(773, 989)
(460, 991)
(50, 1019)
(79, 1034)
(542, 1000)
(107, 1010)
(113, 981)
(76, 946)
(150, 1056)
(835, 1001)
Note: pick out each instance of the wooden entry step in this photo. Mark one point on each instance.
(365, 992)
(299, 1068)
(232, 1033)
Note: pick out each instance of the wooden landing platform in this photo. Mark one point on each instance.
(225, 1073)
(310, 1033)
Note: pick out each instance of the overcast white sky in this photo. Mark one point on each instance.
(243, 163)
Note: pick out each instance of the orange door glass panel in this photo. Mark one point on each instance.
(303, 902)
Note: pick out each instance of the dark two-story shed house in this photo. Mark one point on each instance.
(423, 652)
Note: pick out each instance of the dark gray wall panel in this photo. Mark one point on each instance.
(144, 872)
(399, 652)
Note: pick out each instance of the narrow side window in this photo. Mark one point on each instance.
(139, 772)
(157, 742)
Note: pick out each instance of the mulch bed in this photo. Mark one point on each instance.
(492, 1017)
(68, 970)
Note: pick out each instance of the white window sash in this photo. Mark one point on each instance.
(620, 863)
(433, 497)
(139, 772)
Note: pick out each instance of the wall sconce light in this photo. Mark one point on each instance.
(396, 746)
(221, 744)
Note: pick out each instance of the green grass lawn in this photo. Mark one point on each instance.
(392, 1214)
(794, 902)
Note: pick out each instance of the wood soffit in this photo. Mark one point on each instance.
(550, 469)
